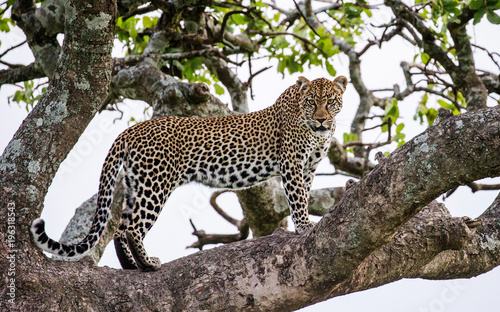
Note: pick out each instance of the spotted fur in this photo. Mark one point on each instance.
(287, 139)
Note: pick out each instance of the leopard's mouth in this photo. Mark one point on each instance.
(316, 128)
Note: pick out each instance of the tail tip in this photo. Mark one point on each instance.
(38, 226)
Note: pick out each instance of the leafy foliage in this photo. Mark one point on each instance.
(29, 95)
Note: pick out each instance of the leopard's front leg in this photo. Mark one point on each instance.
(297, 192)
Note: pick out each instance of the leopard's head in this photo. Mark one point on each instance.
(320, 100)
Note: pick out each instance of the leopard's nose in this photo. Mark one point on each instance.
(321, 120)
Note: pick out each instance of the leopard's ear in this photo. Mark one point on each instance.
(340, 83)
(303, 83)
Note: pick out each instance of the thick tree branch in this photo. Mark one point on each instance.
(356, 166)
(23, 73)
(41, 27)
(481, 253)
(237, 89)
(31, 159)
(165, 94)
(415, 244)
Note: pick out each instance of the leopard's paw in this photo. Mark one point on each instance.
(303, 228)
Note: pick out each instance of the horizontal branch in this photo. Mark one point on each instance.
(19, 74)
(164, 93)
(353, 165)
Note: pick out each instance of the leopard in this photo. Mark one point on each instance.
(287, 139)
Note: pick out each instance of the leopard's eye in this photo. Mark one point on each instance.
(311, 101)
(330, 101)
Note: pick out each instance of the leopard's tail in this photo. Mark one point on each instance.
(109, 174)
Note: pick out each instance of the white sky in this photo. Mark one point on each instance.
(77, 180)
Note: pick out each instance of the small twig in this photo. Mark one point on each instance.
(226, 17)
(382, 90)
(368, 145)
(374, 127)
(140, 11)
(218, 209)
(228, 5)
(490, 54)
(371, 146)
(483, 187)
(383, 38)
(305, 18)
(12, 48)
(206, 239)
(375, 116)
(258, 72)
(227, 59)
(11, 65)
(280, 33)
(209, 239)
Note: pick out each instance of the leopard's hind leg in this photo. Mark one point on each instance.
(151, 193)
(123, 253)
(120, 238)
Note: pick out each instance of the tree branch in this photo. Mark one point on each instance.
(23, 73)
(463, 75)
(41, 26)
(479, 255)
(32, 157)
(237, 89)
(206, 239)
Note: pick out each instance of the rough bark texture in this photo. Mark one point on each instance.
(31, 159)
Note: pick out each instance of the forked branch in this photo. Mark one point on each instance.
(207, 239)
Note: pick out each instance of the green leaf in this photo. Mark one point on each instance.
(398, 137)
(149, 22)
(218, 89)
(425, 57)
(493, 17)
(431, 116)
(400, 127)
(280, 42)
(367, 12)
(239, 19)
(329, 68)
(476, 4)
(119, 22)
(4, 24)
(281, 66)
(385, 127)
(350, 137)
(392, 111)
(479, 15)
(276, 17)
